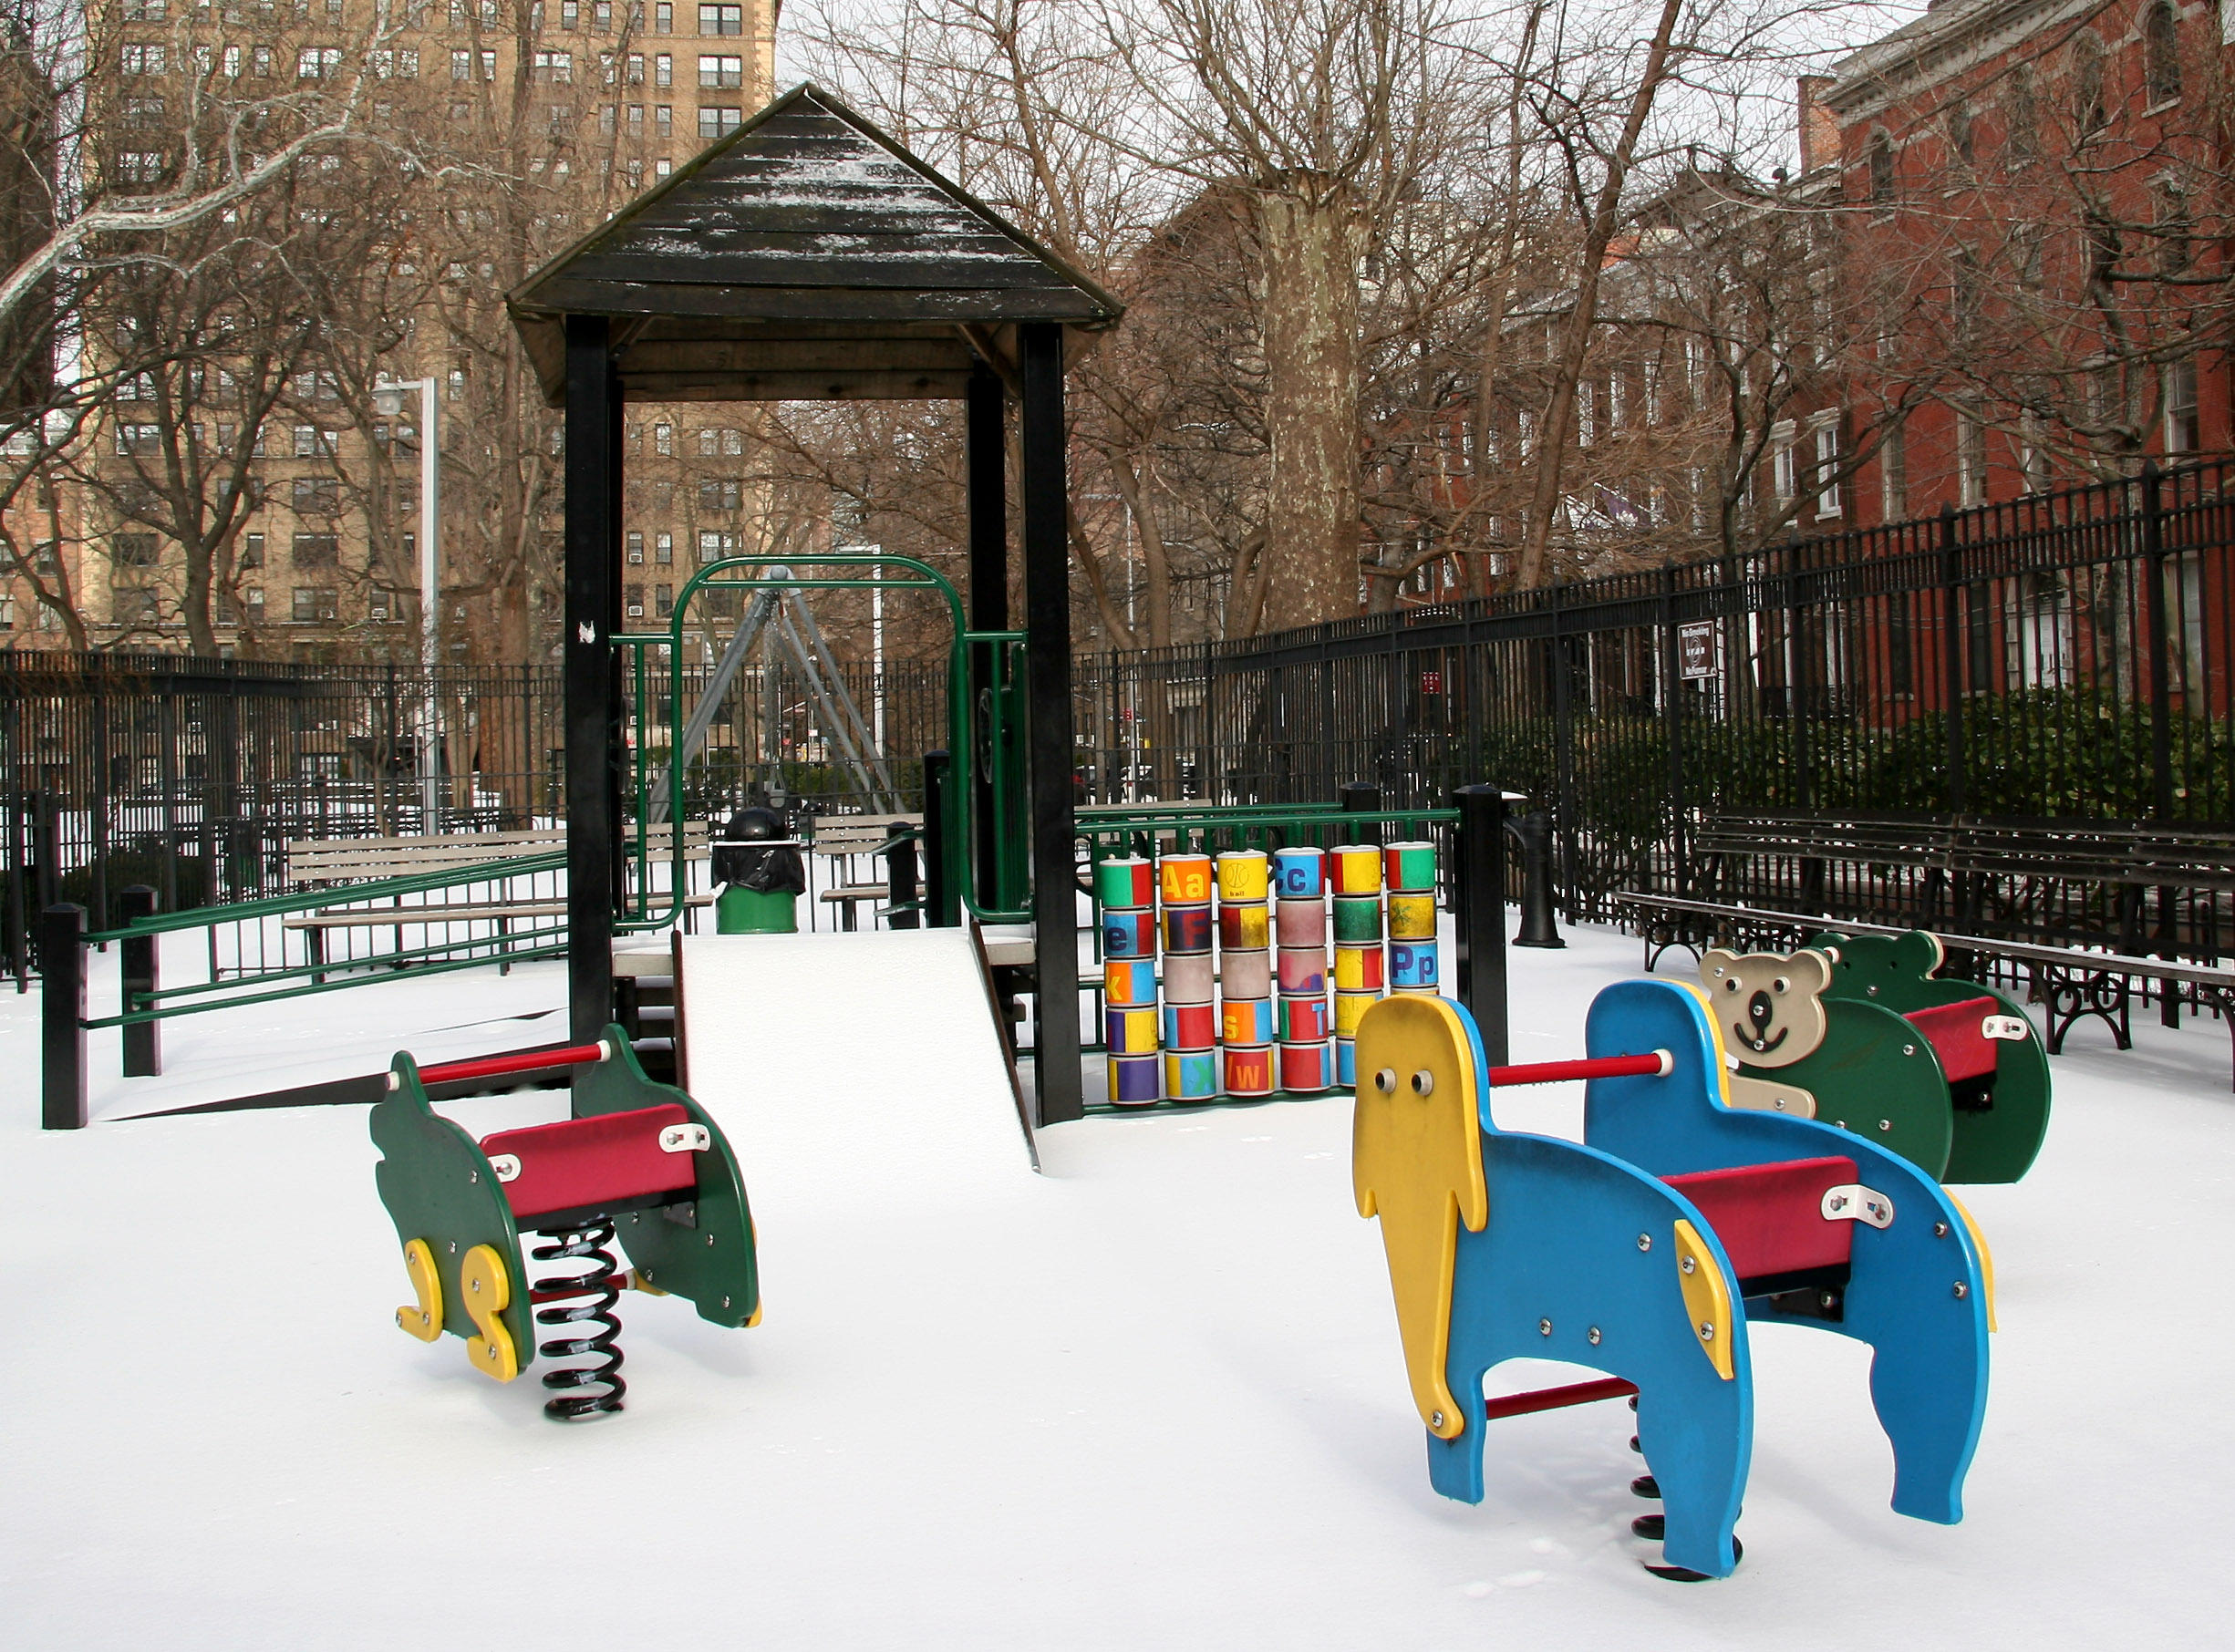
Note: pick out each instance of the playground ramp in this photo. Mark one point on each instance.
(865, 1065)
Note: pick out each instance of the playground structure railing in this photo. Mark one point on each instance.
(260, 951)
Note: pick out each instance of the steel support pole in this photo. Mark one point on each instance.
(1478, 913)
(1048, 676)
(62, 1017)
(593, 702)
(986, 460)
(138, 957)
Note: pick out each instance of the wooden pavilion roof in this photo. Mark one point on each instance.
(806, 256)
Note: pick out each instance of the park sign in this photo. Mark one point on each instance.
(1698, 654)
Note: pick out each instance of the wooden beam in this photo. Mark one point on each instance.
(1048, 673)
(986, 486)
(593, 711)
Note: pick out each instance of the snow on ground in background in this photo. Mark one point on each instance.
(1152, 1398)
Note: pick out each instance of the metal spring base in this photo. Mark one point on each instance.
(599, 1285)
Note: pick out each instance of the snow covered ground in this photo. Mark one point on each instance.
(1151, 1398)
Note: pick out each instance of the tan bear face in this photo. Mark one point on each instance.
(1767, 1004)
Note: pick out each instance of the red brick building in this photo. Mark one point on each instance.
(2034, 202)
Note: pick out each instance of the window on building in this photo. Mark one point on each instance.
(316, 551)
(260, 62)
(133, 550)
(663, 439)
(142, 169)
(2180, 419)
(716, 543)
(2161, 53)
(1784, 467)
(1827, 503)
(387, 606)
(635, 120)
(138, 438)
(663, 120)
(601, 17)
(2087, 110)
(636, 546)
(720, 496)
(2174, 227)
(1958, 122)
(663, 20)
(314, 605)
(554, 68)
(721, 74)
(135, 605)
(1882, 152)
(317, 63)
(663, 548)
(461, 66)
(634, 74)
(1971, 458)
(722, 19)
(315, 495)
(663, 601)
(632, 598)
(144, 11)
(715, 122)
(662, 167)
(569, 14)
(1586, 414)
(143, 111)
(7, 613)
(145, 60)
(251, 553)
(2022, 114)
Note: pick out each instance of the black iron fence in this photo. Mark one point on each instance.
(192, 776)
(2064, 655)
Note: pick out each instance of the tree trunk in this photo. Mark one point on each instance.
(1311, 374)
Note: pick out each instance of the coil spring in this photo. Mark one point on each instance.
(586, 1245)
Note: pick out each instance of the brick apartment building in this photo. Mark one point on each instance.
(539, 119)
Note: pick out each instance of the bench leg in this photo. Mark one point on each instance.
(2100, 993)
(314, 940)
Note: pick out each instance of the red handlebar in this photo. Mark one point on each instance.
(1657, 1065)
(520, 1062)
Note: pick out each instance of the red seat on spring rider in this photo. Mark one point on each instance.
(611, 1162)
(1772, 1218)
(1957, 1034)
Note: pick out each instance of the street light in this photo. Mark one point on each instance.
(389, 402)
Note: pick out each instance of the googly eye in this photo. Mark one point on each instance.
(1424, 1082)
(1386, 1080)
(1782, 984)
(1731, 984)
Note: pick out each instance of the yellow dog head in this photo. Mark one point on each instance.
(1416, 1163)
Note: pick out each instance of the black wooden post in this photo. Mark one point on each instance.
(1673, 724)
(2160, 712)
(986, 470)
(1565, 810)
(1048, 667)
(1362, 797)
(593, 707)
(1952, 654)
(140, 957)
(1478, 913)
(62, 1017)
(941, 903)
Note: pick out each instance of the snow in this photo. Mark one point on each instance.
(1151, 1398)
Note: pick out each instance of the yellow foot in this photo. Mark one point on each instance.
(487, 1293)
(424, 1319)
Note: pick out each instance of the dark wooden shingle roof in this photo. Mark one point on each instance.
(806, 255)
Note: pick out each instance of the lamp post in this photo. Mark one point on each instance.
(389, 401)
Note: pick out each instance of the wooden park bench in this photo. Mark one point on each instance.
(843, 842)
(335, 863)
(2020, 890)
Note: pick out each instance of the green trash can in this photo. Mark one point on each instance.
(762, 876)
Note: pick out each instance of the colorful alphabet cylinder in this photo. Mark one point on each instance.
(1303, 1020)
(1243, 875)
(1190, 1026)
(1125, 884)
(1302, 969)
(1134, 1080)
(1410, 868)
(1299, 874)
(1191, 1075)
(1411, 917)
(1187, 929)
(1307, 1067)
(1249, 1069)
(1244, 925)
(1350, 1008)
(1346, 1063)
(1412, 964)
(1132, 1032)
(1302, 922)
(1129, 935)
(1245, 973)
(1190, 977)
(1129, 983)
(1245, 1021)
(1358, 919)
(1358, 968)
(1354, 869)
(1185, 880)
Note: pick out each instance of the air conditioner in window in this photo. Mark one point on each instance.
(636, 610)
